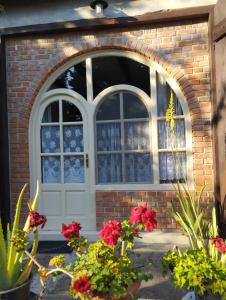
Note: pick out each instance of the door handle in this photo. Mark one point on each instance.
(87, 161)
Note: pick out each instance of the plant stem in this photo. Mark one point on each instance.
(59, 270)
(123, 248)
(33, 259)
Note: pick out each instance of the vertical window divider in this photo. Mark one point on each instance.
(122, 139)
(89, 80)
(61, 140)
(154, 126)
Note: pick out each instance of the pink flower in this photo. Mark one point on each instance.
(111, 232)
(36, 219)
(145, 216)
(71, 230)
(136, 214)
(219, 243)
(82, 285)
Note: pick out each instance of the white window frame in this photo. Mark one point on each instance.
(150, 102)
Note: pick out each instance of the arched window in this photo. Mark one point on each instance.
(123, 140)
(128, 98)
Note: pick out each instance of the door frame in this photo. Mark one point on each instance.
(34, 152)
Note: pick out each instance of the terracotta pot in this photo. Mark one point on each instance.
(21, 292)
(131, 292)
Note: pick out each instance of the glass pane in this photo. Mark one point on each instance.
(108, 137)
(138, 167)
(110, 108)
(172, 167)
(109, 168)
(51, 113)
(71, 113)
(73, 138)
(50, 139)
(163, 97)
(51, 169)
(112, 70)
(133, 107)
(166, 140)
(73, 169)
(137, 136)
(73, 78)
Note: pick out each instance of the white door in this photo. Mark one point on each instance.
(63, 163)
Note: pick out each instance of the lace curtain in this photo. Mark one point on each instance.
(137, 166)
(172, 166)
(73, 164)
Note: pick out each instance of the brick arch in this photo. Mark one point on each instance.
(143, 49)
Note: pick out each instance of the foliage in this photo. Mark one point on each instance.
(191, 216)
(106, 268)
(203, 268)
(12, 270)
(196, 270)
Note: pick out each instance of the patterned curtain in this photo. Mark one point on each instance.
(137, 165)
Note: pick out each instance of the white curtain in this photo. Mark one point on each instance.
(138, 166)
(172, 166)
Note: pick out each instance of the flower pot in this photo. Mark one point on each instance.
(132, 290)
(21, 292)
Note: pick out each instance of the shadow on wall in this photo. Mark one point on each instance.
(219, 114)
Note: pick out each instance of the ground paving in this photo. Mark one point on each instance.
(153, 246)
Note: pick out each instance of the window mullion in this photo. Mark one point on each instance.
(89, 80)
(122, 139)
(61, 141)
(154, 126)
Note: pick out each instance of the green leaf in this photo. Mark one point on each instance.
(4, 279)
(12, 250)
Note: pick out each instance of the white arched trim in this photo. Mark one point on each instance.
(91, 104)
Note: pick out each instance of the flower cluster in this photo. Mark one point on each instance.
(82, 285)
(145, 216)
(104, 260)
(219, 243)
(111, 232)
(71, 230)
(36, 219)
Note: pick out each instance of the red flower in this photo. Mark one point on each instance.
(136, 213)
(144, 216)
(219, 243)
(111, 232)
(36, 219)
(71, 230)
(82, 285)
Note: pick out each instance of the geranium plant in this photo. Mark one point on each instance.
(104, 269)
(14, 270)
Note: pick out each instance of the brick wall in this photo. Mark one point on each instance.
(180, 47)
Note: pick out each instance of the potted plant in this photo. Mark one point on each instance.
(196, 270)
(15, 266)
(104, 269)
(201, 268)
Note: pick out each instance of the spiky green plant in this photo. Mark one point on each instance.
(191, 216)
(14, 271)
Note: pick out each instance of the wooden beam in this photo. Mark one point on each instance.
(219, 30)
(168, 15)
(4, 148)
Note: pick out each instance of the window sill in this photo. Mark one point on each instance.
(138, 187)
